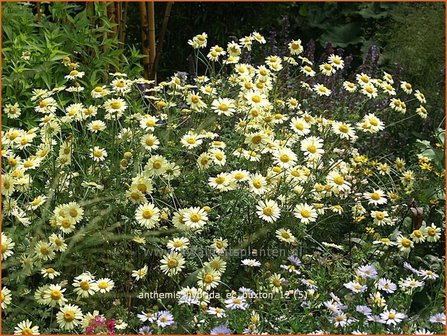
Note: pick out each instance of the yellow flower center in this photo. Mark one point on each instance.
(147, 214)
(339, 180)
(66, 223)
(343, 129)
(254, 113)
(69, 315)
(150, 123)
(160, 104)
(142, 187)
(195, 217)
(257, 184)
(268, 211)
(220, 180)
(172, 263)
(239, 176)
(431, 232)
(223, 107)
(364, 79)
(178, 243)
(73, 212)
(84, 285)
(375, 196)
(208, 279)
(156, 164)
(56, 294)
(284, 158)
(256, 99)
(115, 105)
(380, 215)
(406, 242)
(27, 331)
(312, 149)
(374, 122)
(44, 250)
(276, 282)
(299, 125)
(219, 156)
(305, 213)
(97, 153)
(285, 235)
(295, 173)
(103, 285)
(204, 160)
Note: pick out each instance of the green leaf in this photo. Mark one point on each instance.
(344, 35)
(304, 10)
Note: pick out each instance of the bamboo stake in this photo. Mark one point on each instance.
(123, 24)
(39, 14)
(104, 46)
(112, 16)
(118, 18)
(161, 39)
(151, 22)
(90, 11)
(144, 38)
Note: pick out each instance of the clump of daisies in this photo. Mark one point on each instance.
(245, 200)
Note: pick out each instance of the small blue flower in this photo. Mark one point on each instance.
(145, 330)
(295, 260)
(220, 330)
